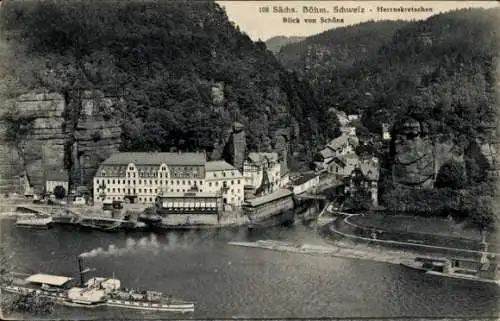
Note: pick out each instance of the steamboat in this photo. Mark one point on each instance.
(95, 292)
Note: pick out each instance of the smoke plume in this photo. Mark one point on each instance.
(131, 245)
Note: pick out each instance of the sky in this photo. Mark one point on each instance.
(264, 25)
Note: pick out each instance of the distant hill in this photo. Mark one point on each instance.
(274, 44)
(337, 48)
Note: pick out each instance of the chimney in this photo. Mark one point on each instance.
(80, 269)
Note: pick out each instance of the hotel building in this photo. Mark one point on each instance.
(141, 177)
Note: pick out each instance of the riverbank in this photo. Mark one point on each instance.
(341, 249)
(338, 231)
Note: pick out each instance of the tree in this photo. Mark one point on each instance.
(451, 175)
(18, 302)
(482, 215)
(59, 192)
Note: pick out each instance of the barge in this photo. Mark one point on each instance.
(109, 224)
(95, 292)
(463, 269)
(35, 221)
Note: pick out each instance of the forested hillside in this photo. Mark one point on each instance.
(165, 60)
(337, 50)
(440, 69)
(434, 84)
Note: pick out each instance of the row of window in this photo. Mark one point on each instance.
(176, 174)
(193, 174)
(140, 190)
(163, 168)
(117, 181)
(224, 174)
(121, 198)
(150, 199)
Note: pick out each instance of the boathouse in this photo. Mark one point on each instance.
(209, 203)
(269, 205)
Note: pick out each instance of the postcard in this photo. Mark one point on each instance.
(249, 159)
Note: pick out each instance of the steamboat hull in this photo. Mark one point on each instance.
(148, 306)
(62, 299)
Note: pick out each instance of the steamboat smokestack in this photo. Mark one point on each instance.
(80, 269)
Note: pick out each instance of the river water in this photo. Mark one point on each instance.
(228, 281)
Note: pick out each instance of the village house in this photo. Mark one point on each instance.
(342, 166)
(56, 177)
(141, 177)
(262, 173)
(363, 181)
(341, 146)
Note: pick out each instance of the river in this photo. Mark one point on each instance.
(228, 281)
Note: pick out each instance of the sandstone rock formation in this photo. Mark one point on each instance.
(96, 135)
(417, 157)
(413, 163)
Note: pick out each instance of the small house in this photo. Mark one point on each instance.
(55, 178)
(364, 180)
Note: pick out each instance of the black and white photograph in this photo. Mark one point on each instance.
(249, 160)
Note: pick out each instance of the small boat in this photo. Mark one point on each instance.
(426, 263)
(95, 292)
(150, 218)
(34, 222)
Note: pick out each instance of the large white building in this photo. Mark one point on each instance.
(140, 177)
(221, 176)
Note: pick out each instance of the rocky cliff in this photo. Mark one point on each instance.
(45, 145)
(417, 156)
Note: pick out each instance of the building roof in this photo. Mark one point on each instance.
(327, 152)
(260, 157)
(370, 169)
(338, 160)
(339, 142)
(218, 166)
(156, 159)
(48, 279)
(55, 175)
(190, 194)
(269, 197)
(304, 178)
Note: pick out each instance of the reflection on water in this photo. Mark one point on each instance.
(226, 281)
